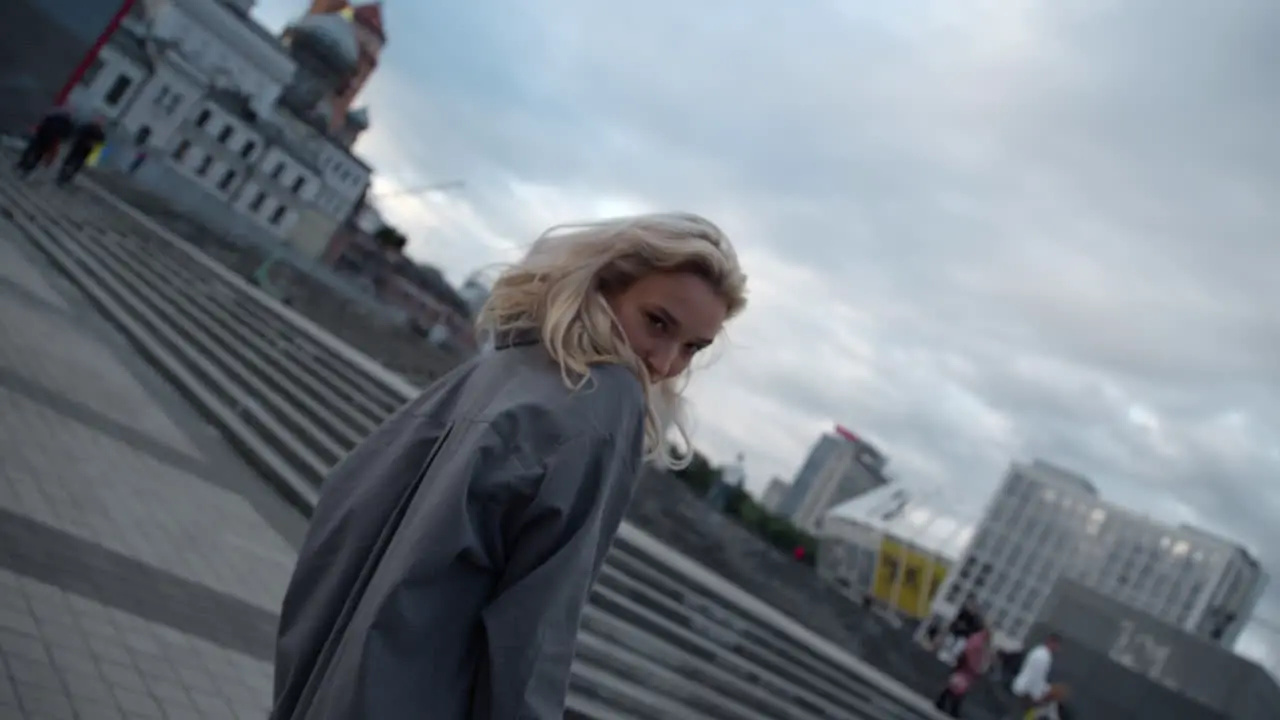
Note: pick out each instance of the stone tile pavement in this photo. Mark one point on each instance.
(141, 562)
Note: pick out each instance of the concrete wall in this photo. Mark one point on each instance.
(1127, 664)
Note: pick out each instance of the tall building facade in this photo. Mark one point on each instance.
(841, 466)
(1046, 523)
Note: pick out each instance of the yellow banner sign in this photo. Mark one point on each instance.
(906, 579)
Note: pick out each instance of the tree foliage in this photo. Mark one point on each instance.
(702, 477)
(699, 474)
(390, 238)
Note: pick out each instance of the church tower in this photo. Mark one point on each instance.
(371, 37)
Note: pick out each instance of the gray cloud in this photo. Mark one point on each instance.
(974, 232)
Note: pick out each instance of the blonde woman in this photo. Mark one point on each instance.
(451, 554)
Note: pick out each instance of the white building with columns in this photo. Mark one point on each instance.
(229, 117)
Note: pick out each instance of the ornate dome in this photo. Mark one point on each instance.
(329, 37)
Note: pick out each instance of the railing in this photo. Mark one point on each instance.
(663, 637)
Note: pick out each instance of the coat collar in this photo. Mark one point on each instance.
(517, 338)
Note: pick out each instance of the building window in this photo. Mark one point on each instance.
(277, 171)
(299, 183)
(171, 103)
(227, 178)
(248, 149)
(143, 135)
(180, 152)
(278, 215)
(258, 199)
(224, 134)
(161, 96)
(91, 73)
(203, 118)
(205, 164)
(117, 91)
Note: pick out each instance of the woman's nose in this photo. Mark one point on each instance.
(661, 359)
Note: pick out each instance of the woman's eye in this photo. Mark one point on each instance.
(657, 322)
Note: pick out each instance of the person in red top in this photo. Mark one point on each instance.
(971, 664)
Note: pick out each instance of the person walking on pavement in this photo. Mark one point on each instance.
(1031, 687)
(140, 152)
(451, 554)
(87, 137)
(972, 663)
(966, 622)
(54, 128)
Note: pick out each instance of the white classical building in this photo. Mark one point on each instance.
(229, 117)
(1046, 523)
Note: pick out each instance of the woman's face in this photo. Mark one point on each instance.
(668, 318)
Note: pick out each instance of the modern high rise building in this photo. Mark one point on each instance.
(774, 494)
(1046, 523)
(841, 466)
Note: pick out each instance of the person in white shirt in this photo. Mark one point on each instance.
(1032, 685)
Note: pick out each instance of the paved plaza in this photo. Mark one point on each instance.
(141, 561)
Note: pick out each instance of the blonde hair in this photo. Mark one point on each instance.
(558, 290)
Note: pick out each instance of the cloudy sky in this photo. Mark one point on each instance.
(975, 231)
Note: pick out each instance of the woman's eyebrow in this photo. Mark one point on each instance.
(666, 316)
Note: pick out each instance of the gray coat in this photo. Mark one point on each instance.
(451, 554)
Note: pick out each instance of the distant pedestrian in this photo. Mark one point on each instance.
(966, 622)
(140, 150)
(138, 159)
(86, 140)
(54, 128)
(931, 635)
(1032, 687)
(972, 663)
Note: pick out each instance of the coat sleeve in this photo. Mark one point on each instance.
(555, 550)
